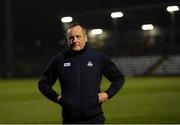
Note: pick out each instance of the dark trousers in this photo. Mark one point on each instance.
(96, 119)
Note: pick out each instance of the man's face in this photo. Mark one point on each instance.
(76, 38)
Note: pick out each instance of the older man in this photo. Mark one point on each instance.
(79, 70)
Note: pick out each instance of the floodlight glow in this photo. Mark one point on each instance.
(96, 31)
(147, 27)
(116, 14)
(67, 19)
(172, 8)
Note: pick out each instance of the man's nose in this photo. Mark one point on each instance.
(75, 39)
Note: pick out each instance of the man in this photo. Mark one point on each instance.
(79, 70)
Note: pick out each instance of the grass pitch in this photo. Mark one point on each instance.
(143, 100)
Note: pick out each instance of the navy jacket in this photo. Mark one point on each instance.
(80, 74)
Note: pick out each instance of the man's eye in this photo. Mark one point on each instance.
(71, 38)
(78, 37)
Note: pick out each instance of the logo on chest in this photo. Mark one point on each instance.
(89, 63)
(67, 64)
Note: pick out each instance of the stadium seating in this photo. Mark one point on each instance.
(138, 66)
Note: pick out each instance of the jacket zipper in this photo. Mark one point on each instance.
(79, 80)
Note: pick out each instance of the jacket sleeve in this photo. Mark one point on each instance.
(47, 80)
(113, 74)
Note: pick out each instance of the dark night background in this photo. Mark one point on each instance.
(37, 33)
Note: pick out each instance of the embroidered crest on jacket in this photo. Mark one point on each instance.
(67, 64)
(89, 63)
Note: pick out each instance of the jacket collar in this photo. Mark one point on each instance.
(78, 52)
(69, 53)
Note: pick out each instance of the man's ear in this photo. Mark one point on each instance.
(86, 38)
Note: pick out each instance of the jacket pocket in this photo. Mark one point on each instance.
(71, 103)
(91, 103)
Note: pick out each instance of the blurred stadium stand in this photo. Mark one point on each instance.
(149, 65)
(171, 66)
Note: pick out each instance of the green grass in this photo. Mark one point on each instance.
(141, 100)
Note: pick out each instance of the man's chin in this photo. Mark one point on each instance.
(76, 49)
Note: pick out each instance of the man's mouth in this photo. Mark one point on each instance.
(74, 45)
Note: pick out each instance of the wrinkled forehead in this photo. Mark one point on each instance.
(75, 29)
